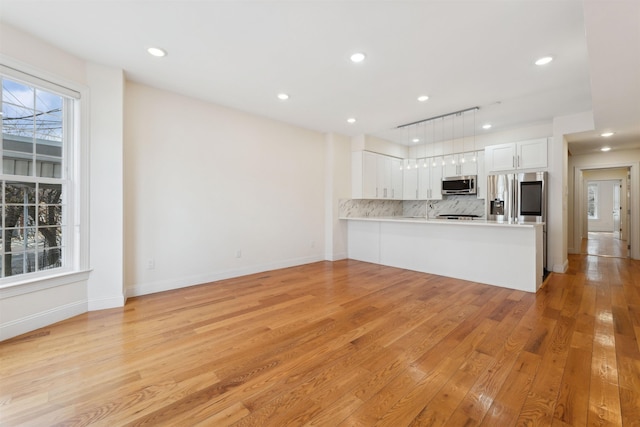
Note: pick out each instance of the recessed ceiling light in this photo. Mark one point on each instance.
(156, 51)
(544, 60)
(605, 149)
(283, 96)
(415, 140)
(358, 57)
(351, 120)
(423, 98)
(606, 134)
(486, 126)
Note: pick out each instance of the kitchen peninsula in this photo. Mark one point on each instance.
(501, 254)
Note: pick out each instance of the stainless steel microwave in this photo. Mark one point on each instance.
(459, 185)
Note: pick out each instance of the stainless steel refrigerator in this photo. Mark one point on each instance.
(517, 198)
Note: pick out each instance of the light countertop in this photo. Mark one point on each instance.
(423, 220)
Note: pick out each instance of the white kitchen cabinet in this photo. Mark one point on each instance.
(481, 180)
(364, 170)
(532, 154)
(461, 164)
(383, 180)
(409, 180)
(469, 163)
(375, 176)
(430, 179)
(424, 180)
(396, 178)
(436, 180)
(529, 154)
(450, 167)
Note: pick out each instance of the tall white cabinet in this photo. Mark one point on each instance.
(376, 176)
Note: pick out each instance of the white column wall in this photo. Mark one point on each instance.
(338, 184)
(212, 193)
(106, 284)
(558, 190)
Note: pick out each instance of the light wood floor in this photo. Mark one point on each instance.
(342, 344)
(604, 244)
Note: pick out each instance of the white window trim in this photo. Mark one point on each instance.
(78, 267)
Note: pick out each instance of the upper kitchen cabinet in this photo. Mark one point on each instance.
(521, 155)
(410, 180)
(460, 164)
(396, 178)
(481, 181)
(375, 176)
(430, 179)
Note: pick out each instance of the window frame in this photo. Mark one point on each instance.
(75, 177)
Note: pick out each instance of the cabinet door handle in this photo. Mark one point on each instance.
(416, 194)
(513, 161)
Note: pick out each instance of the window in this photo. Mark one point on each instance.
(592, 200)
(36, 181)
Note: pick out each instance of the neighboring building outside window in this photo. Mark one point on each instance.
(592, 200)
(36, 180)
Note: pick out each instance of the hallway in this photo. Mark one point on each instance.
(604, 244)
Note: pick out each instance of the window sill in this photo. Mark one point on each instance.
(42, 283)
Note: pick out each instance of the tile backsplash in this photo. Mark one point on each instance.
(456, 205)
(418, 208)
(362, 208)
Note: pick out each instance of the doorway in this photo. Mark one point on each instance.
(607, 206)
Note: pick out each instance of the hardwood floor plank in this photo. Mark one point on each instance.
(604, 398)
(572, 403)
(506, 406)
(341, 343)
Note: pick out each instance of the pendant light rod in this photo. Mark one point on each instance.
(441, 116)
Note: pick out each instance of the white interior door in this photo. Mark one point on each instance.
(616, 210)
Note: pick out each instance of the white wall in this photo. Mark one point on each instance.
(338, 186)
(106, 286)
(33, 305)
(378, 145)
(558, 189)
(204, 183)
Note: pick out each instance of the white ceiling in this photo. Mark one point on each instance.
(241, 54)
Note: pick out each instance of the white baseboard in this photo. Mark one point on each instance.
(335, 256)
(167, 285)
(561, 268)
(39, 320)
(104, 303)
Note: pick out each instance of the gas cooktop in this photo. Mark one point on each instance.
(459, 216)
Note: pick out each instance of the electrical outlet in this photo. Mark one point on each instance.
(239, 254)
(151, 264)
(313, 243)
